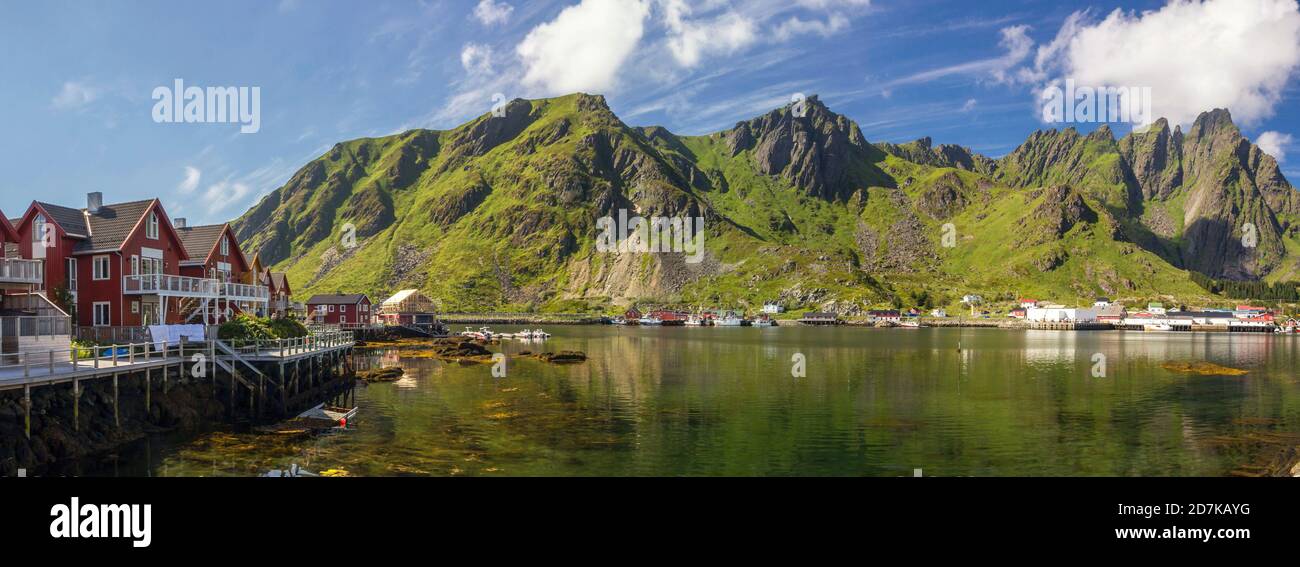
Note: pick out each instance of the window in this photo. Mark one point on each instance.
(343, 318)
(135, 307)
(38, 229)
(343, 309)
(135, 265)
(331, 309)
(72, 274)
(151, 230)
(225, 246)
(102, 314)
(102, 270)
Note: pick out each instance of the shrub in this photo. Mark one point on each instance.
(249, 328)
(287, 329)
(245, 328)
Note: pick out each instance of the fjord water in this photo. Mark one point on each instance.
(722, 401)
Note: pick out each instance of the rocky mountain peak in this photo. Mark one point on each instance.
(816, 149)
(1212, 123)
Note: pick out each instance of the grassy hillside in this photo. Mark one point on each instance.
(500, 214)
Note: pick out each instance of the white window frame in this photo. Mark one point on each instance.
(151, 227)
(225, 246)
(343, 319)
(107, 319)
(71, 266)
(331, 309)
(135, 265)
(38, 229)
(343, 309)
(106, 274)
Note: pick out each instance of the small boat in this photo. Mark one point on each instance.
(483, 334)
(534, 335)
(910, 324)
(694, 321)
(1157, 328)
(326, 417)
(651, 320)
(620, 320)
(764, 321)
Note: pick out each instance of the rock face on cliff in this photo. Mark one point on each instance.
(502, 212)
(821, 152)
(1208, 200)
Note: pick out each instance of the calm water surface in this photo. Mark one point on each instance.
(722, 401)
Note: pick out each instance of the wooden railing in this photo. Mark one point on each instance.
(17, 270)
(35, 326)
(164, 284)
(245, 292)
(290, 347)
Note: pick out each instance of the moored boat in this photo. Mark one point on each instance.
(650, 320)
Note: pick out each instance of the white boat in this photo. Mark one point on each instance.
(729, 320)
(651, 320)
(535, 335)
(764, 321)
(1157, 328)
(911, 324)
(483, 334)
(694, 321)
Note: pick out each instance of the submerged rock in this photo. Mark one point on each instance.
(390, 374)
(563, 357)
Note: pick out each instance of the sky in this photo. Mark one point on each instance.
(80, 80)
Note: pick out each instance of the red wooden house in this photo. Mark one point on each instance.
(120, 262)
(16, 273)
(281, 304)
(339, 309)
(214, 254)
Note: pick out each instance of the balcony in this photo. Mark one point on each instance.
(171, 286)
(245, 292)
(16, 271)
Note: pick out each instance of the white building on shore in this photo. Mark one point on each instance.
(1060, 314)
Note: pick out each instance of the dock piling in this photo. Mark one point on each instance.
(27, 410)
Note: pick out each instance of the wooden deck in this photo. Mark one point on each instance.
(13, 378)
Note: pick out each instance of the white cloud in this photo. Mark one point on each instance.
(191, 181)
(489, 12)
(74, 95)
(1274, 144)
(830, 4)
(969, 105)
(1015, 41)
(222, 196)
(585, 47)
(476, 58)
(690, 40)
(795, 26)
(1195, 56)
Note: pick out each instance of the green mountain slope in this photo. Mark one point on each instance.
(501, 213)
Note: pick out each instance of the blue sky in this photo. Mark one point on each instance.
(78, 77)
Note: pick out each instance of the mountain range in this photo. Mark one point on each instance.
(500, 214)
